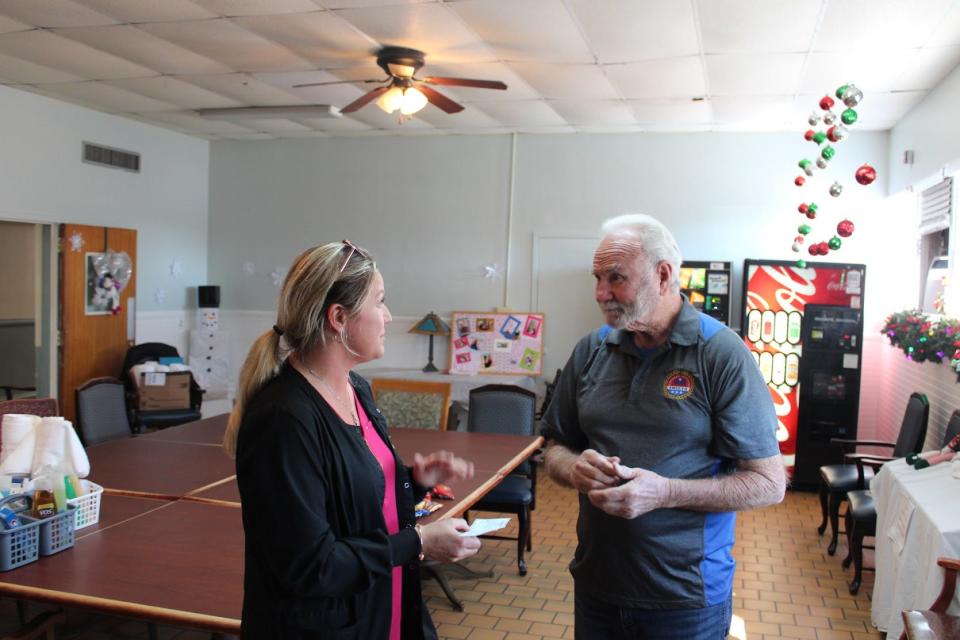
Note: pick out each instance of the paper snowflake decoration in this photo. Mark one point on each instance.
(248, 268)
(278, 276)
(175, 268)
(159, 295)
(76, 241)
(491, 271)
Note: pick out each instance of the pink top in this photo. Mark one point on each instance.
(382, 453)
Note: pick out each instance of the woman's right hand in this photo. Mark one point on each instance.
(442, 540)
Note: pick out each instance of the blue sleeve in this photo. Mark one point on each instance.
(561, 420)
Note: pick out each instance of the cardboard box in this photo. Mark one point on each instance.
(163, 390)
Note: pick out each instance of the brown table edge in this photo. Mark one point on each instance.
(161, 615)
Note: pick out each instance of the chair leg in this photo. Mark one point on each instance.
(856, 541)
(824, 498)
(835, 500)
(530, 531)
(848, 525)
(437, 574)
(522, 535)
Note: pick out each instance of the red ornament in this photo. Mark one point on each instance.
(826, 102)
(803, 208)
(813, 250)
(844, 228)
(799, 239)
(865, 174)
(832, 134)
(808, 135)
(811, 214)
(824, 248)
(799, 180)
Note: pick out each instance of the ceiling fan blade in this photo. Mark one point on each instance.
(439, 100)
(466, 82)
(320, 84)
(364, 100)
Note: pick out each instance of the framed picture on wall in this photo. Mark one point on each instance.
(102, 292)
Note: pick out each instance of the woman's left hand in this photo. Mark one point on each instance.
(440, 466)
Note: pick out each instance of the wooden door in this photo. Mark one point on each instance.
(92, 343)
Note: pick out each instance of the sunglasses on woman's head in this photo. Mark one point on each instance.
(353, 247)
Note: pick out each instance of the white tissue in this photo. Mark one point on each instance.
(955, 469)
(51, 444)
(179, 367)
(17, 442)
(76, 456)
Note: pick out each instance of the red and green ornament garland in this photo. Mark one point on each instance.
(924, 338)
(835, 133)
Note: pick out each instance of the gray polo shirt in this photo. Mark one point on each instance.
(687, 409)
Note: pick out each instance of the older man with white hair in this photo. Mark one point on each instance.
(665, 428)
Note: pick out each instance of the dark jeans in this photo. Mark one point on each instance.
(597, 620)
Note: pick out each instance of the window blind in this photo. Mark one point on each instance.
(935, 207)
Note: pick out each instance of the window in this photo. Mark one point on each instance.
(935, 219)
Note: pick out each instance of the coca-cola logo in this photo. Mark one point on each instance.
(834, 286)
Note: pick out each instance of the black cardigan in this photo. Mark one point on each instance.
(318, 556)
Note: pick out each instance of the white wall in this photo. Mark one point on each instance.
(42, 179)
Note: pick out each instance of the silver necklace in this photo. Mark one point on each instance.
(343, 403)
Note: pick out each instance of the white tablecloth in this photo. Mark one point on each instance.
(918, 520)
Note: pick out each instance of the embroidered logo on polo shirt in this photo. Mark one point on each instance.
(678, 385)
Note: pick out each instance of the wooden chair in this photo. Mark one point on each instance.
(934, 623)
(43, 407)
(837, 479)
(413, 403)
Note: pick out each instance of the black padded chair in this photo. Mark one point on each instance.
(497, 408)
(953, 428)
(157, 418)
(837, 479)
(102, 411)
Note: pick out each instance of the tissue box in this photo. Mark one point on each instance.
(169, 390)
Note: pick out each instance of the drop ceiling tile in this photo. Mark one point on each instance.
(733, 26)
(378, 119)
(50, 50)
(619, 31)
(131, 11)
(594, 112)
(875, 24)
(274, 125)
(135, 45)
(336, 94)
(191, 122)
(747, 74)
(538, 30)
(523, 113)
(175, 91)
(668, 78)
(545, 129)
(302, 134)
(229, 44)
(19, 70)
(874, 70)
(432, 28)
(472, 117)
(344, 124)
(8, 25)
(948, 31)
(249, 136)
(350, 4)
(517, 87)
(103, 97)
(567, 81)
(927, 68)
(761, 113)
(230, 8)
(672, 112)
(610, 128)
(884, 108)
(246, 90)
(53, 13)
(323, 38)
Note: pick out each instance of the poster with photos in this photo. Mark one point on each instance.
(496, 343)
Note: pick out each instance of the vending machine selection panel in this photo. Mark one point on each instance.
(707, 285)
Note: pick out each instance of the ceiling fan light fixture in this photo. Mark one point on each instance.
(413, 101)
(391, 100)
(401, 70)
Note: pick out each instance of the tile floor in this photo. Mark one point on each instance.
(786, 585)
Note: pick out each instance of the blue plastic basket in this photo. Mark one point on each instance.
(56, 533)
(19, 546)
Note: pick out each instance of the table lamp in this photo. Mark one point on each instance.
(431, 325)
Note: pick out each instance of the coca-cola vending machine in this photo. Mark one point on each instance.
(804, 327)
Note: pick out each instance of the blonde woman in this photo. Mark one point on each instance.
(332, 548)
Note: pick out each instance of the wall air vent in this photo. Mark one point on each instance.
(113, 158)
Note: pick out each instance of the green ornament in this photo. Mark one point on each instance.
(828, 152)
(803, 164)
(812, 208)
(802, 264)
(804, 229)
(819, 137)
(841, 91)
(849, 116)
(834, 243)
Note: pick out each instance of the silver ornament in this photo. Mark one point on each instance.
(796, 247)
(836, 189)
(829, 118)
(840, 132)
(813, 119)
(807, 169)
(852, 96)
(823, 163)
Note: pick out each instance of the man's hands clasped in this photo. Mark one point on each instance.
(620, 491)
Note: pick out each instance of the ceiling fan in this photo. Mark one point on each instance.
(402, 90)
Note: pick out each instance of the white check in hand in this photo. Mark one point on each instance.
(481, 526)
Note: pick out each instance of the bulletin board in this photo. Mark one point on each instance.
(496, 343)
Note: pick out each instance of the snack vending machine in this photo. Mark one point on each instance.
(804, 327)
(707, 286)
